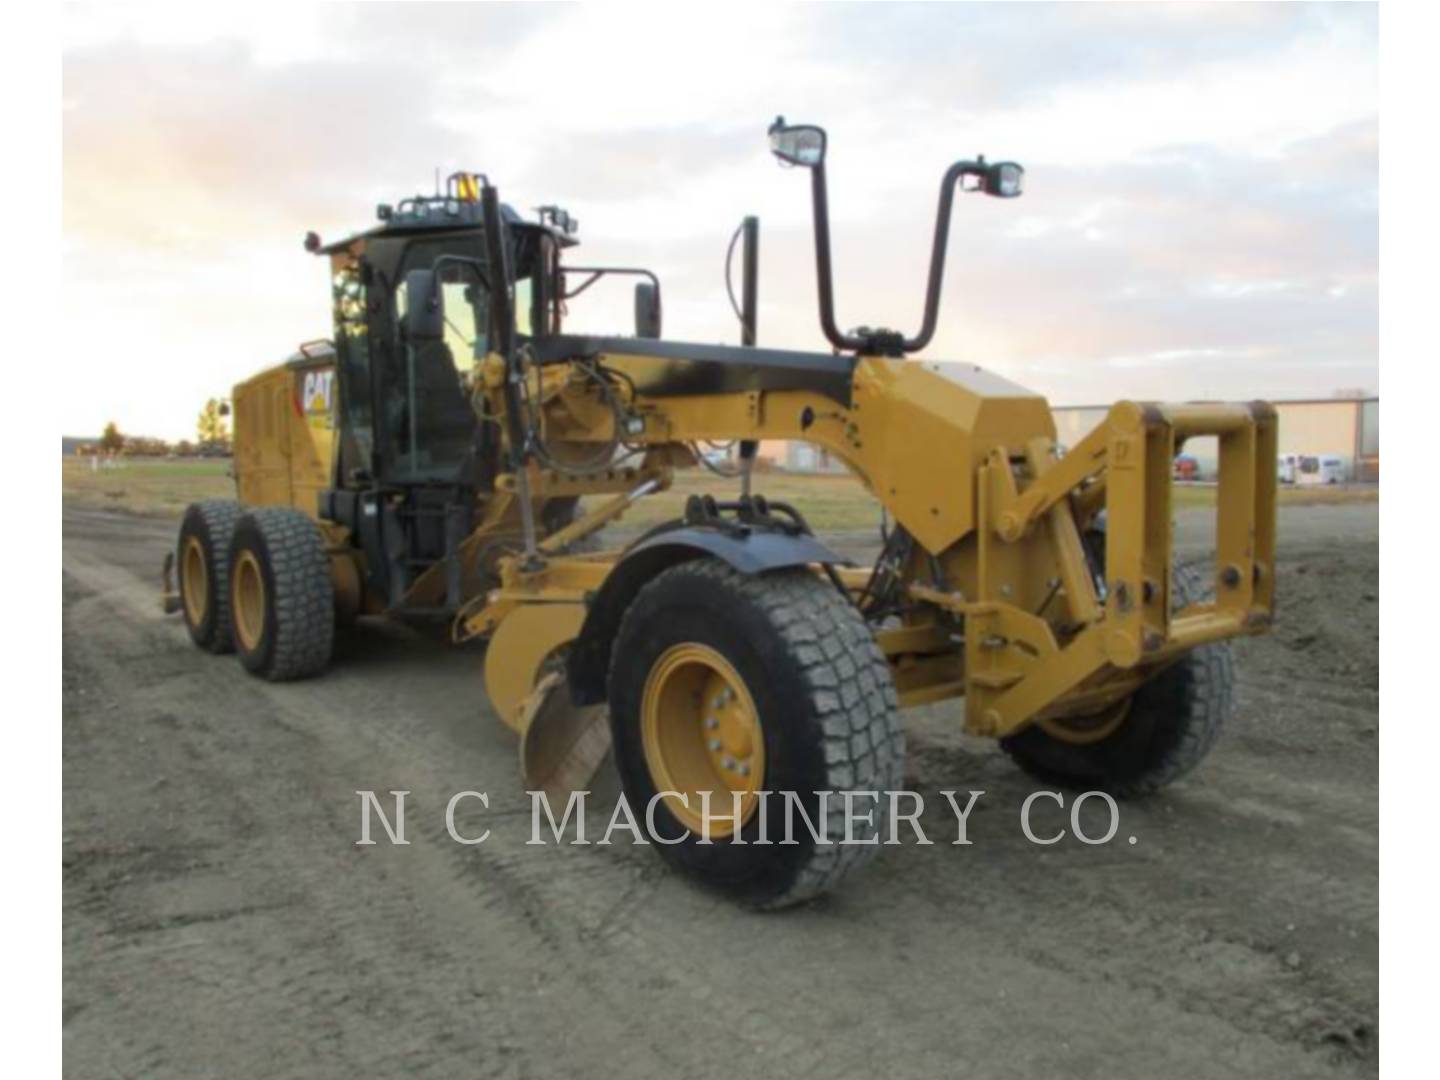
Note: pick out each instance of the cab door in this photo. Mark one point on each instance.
(425, 422)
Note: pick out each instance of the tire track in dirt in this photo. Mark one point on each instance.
(218, 916)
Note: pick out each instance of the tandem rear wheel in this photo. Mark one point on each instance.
(282, 596)
(258, 582)
(202, 558)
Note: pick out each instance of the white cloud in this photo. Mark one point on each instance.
(1201, 195)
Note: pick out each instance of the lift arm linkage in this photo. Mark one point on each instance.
(1015, 667)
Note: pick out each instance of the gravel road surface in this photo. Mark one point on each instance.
(220, 919)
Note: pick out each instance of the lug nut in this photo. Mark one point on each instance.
(744, 769)
(728, 762)
(714, 744)
(711, 723)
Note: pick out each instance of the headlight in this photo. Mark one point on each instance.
(1004, 179)
(797, 144)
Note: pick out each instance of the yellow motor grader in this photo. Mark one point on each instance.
(428, 462)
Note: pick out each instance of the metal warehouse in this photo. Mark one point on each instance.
(1342, 434)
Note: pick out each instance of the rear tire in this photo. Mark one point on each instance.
(282, 598)
(202, 556)
(1172, 723)
(824, 709)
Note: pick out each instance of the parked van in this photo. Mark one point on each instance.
(1324, 469)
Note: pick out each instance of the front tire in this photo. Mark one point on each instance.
(282, 597)
(1165, 730)
(729, 683)
(202, 557)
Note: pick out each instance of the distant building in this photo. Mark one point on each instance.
(1346, 427)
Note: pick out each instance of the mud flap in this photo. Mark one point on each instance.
(169, 591)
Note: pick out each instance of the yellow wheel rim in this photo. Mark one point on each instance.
(196, 578)
(1083, 730)
(248, 600)
(701, 733)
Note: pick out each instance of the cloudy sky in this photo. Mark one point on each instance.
(1200, 217)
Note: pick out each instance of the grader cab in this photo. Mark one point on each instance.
(427, 462)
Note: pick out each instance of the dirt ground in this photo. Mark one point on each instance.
(220, 920)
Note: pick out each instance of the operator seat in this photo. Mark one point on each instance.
(445, 419)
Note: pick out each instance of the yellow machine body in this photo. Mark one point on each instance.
(1006, 611)
(442, 442)
(285, 433)
(286, 424)
(1003, 606)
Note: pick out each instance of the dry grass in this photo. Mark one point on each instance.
(1190, 496)
(835, 502)
(830, 502)
(154, 488)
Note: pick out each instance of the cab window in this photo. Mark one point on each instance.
(429, 419)
(524, 305)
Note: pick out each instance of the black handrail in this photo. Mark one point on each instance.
(502, 305)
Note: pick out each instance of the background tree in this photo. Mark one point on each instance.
(211, 426)
(145, 446)
(111, 441)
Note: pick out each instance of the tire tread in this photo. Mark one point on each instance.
(218, 518)
(851, 694)
(303, 595)
(1193, 698)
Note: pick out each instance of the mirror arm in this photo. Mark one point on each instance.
(597, 272)
(823, 274)
(570, 294)
(948, 184)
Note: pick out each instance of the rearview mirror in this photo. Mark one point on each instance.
(424, 306)
(797, 144)
(647, 310)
